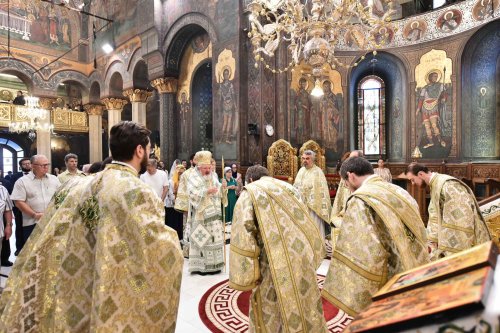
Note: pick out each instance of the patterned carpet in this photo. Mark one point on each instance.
(225, 310)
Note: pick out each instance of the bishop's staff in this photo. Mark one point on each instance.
(224, 204)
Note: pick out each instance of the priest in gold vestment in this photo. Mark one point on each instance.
(313, 187)
(338, 207)
(101, 258)
(275, 251)
(206, 240)
(182, 204)
(455, 220)
(381, 235)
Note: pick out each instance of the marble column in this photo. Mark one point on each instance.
(44, 132)
(95, 131)
(138, 98)
(115, 108)
(167, 88)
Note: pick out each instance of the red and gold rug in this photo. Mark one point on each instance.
(225, 310)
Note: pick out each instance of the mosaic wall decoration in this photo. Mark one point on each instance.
(124, 16)
(434, 105)
(440, 23)
(484, 9)
(226, 105)
(198, 51)
(317, 118)
(38, 23)
(202, 110)
(480, 94)
(415, 30)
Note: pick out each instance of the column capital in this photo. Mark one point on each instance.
(94, 109)
(166, 85)
(137, 95)
(46, 102)
(114, 103)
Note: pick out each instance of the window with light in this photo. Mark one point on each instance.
(371, 116)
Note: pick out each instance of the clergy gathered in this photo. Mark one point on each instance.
(103, 256)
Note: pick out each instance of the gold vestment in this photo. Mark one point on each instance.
(455, 220)
(382, 234)
(313, 187)
(100, 260)
(339, 203)
(275, 250)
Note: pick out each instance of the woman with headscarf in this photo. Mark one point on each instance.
(173, 218)
(232, 186)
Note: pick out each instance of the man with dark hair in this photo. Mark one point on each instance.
(101, 257)
(71, 161)
(19, 100)
(381, 235)
(272, 223)
(455, 221)
(343, 193)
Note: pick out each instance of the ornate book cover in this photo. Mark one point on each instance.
(442, 300)
(476, 257)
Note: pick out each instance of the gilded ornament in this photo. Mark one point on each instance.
(59, 198)
(137, 95)
(93, 109)
(114, 103)
(46, 102)
(166, 85)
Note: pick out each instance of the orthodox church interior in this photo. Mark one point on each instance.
(257, 82)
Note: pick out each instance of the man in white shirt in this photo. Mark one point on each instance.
(157, 179)
(5, 215)
(33, 192)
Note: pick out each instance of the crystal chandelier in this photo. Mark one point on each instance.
(30, 115)
(313, 28)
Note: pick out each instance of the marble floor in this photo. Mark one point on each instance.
(192, 289)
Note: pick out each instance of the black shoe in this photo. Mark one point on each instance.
(16, 253)
(7, 264)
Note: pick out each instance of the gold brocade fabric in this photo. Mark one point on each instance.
(182, 200)
(339, 204)
(206, 238)
(455, 220)
(384, 173)
(124, 276)
(382, 234)
(313, 187)
(275, 250)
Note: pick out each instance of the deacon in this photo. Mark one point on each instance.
(206, 241)
(343, 192)
(381, 235)
(275, 251)
(101, 259)
(182, 204)
(312, 185)
(455, 221)
(338, 207)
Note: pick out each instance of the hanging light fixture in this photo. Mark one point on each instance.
(317, 90)
(312, 29)
(30, 116)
